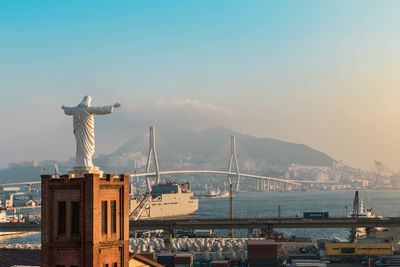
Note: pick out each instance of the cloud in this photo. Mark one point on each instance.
(181, 113)
(192, 104)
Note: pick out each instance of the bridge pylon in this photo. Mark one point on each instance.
(234, 158)
(152, 151)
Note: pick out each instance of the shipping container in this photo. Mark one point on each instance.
(269, 248)
(220, 263)
(166, 258)
(257, 262)
(263, 245)
(261, 242)
(251, 254)
(316, 215)
(183, 259)
(262, 249)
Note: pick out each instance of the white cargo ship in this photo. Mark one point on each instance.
(165, 200)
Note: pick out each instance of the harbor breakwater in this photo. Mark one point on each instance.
(202, 248)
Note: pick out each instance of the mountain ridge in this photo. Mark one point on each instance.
(189, 149)
(199, 146)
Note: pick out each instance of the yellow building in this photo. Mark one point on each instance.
(136, 260)
(358, 249)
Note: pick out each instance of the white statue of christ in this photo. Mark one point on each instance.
(83, 120)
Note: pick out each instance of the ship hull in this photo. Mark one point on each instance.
(164, 205)
(170, 208)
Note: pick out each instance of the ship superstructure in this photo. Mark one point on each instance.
(168, 199)
(361, 210)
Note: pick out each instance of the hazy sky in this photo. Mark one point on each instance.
(322, 73)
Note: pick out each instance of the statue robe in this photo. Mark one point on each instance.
(83, 121)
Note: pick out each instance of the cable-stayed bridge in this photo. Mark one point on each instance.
(262, 182)
(287, 181)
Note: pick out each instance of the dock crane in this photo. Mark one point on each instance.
(356, 211)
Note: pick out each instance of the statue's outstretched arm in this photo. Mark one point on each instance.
(68, 110)
(100, 110)
(103, 110)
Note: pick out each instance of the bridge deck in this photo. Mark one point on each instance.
(273, 223)
(289, 181)
(264, 223)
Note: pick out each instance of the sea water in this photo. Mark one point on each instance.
(292, 204)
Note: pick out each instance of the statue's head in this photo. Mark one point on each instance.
(86, 101)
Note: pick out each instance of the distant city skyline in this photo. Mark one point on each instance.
(323, 74)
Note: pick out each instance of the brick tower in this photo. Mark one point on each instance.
(85, 221)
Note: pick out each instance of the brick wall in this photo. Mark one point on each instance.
(89, 247)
